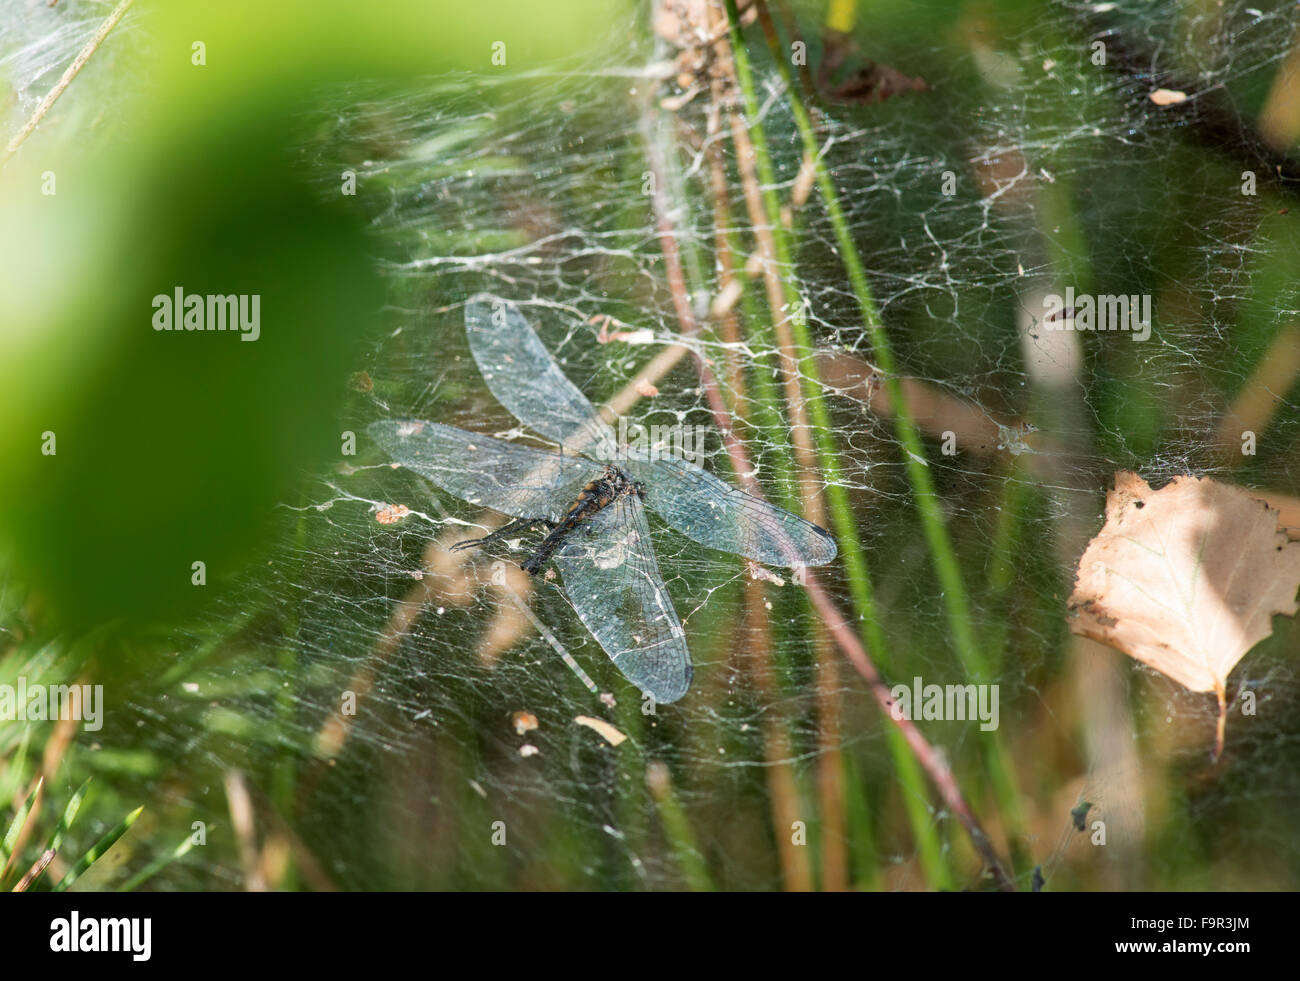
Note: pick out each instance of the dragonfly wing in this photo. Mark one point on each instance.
(714, 513)
(613, 581)
(515, 480)
(524, 377)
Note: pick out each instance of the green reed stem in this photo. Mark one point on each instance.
(955, 597)
(912, 782)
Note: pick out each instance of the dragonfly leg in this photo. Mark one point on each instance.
(518, 525)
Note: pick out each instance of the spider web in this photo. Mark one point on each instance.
(532, 187)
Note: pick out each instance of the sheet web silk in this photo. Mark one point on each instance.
(531, 188)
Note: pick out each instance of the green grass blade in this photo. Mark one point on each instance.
(69, 815)
(16, 825)
(677, 829)
(155, 867)
(97, 852)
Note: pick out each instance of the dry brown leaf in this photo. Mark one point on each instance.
(1288, 509)
(1185, 579)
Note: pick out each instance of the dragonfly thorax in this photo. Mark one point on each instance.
(606, 489)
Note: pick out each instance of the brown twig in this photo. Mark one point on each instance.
(36, 792)
(830, 762)
(796, 870)
(931, 760)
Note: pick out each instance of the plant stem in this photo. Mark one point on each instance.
(950, 579)
(78, 63)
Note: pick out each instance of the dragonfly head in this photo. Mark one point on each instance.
(622, 481)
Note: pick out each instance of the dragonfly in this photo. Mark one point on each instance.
(591, 496)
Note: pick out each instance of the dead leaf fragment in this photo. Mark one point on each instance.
(1185, 579)
(762, 573)
(1167, 97)
(392, 513)
(607, 731)
(869, 82)
(604, 336)
(524, 721)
